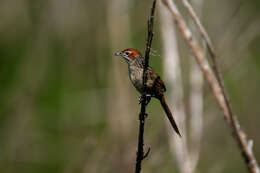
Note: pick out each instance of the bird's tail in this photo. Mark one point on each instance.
(169, 114)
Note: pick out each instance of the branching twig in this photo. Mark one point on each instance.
(216, 83)
(140, 152)
(237, 132)
(199, 55)
(202, 30)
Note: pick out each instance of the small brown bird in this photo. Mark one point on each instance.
(155, 85)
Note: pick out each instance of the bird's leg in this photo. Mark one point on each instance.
(147, 98)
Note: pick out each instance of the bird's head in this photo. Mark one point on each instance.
(129, 54)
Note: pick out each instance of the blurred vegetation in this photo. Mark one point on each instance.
(56, 60)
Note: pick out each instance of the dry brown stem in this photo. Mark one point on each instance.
(215, 82)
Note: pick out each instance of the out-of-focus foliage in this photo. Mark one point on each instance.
(56, 58)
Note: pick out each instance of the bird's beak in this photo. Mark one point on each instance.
(118, 53)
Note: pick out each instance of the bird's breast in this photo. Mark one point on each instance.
(136, 77)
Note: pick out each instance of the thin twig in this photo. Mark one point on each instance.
(202, 30)
(140, 151)
(237, 132)
(199, 56)
(216, 84)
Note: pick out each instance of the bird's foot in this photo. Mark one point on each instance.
(146, 97)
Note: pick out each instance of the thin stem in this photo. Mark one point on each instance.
(216, 83)
(140, 151)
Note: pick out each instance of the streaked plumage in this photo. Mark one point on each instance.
(155, 85)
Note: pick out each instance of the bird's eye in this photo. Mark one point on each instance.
(127, 53)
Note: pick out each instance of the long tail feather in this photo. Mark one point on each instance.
(169, 114)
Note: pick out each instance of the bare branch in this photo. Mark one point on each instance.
(140, 151)
(216, 84)
(201, 28)
(199, 56)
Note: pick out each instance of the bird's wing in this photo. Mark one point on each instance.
(154, 82)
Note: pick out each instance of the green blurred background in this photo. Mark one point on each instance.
(66, 102)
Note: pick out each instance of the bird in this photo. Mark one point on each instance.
(154, 84)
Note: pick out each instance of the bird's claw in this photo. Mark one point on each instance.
(147, 98)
